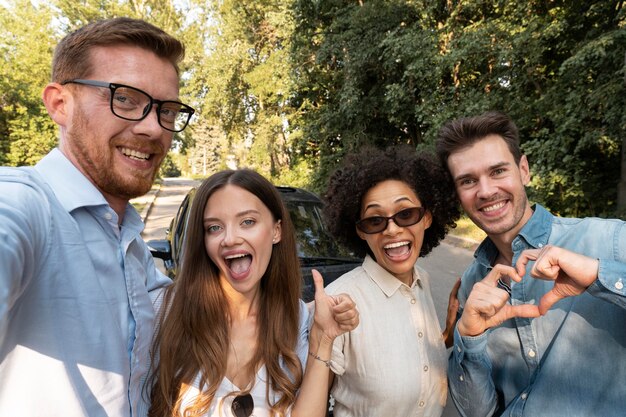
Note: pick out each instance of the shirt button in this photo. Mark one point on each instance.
(426, 368)
(531, 353)
(540, 245)
(412, 300)
(108, 216)
(619, 285)
(524, 396)
(421, 404)
(420, 334)
(458, 349)
(461, 378)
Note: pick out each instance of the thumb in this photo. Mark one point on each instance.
(547, 301)
(318, 281)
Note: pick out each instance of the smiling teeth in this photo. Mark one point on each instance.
(396, 245)
(240, 255)
(494, 207)
(135, 154)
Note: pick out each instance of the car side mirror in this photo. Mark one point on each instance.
(160, 248)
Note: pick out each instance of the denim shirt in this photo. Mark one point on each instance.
(76, 313)
(570, 362)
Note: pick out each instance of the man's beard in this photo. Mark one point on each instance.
(96, 161)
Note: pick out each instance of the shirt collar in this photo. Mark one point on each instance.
(387, 283)
(535, 232)
(69, 185)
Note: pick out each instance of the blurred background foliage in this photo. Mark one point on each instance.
(288, 87)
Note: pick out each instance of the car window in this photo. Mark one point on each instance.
(313, 240)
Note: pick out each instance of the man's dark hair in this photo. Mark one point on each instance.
(466, 131)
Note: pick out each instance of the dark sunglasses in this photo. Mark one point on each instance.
(403, 218)
(243, 405)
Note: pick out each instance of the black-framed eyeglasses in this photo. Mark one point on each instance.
(130, 103)
(403, 218)
(242, 406)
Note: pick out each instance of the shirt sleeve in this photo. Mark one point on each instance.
(611, 282)
(24, 227)
(469, 376)
(306, 321)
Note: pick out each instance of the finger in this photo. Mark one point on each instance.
(547, 301)
(525, 311)
(343, 303)
(318, 281)
(509, 312)
(525, 257)
(498, 272)
(346, 316)
(349, 319)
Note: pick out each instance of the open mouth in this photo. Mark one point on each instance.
(239, 264)
(132, 154)
(397, 248)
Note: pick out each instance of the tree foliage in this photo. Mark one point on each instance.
(26, 131)
(289, 87)
(382, 72)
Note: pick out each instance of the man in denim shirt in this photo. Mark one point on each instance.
(77, 281)
(542, 327)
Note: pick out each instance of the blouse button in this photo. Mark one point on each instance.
(619, 285)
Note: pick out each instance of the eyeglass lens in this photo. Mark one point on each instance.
(132, 104)
(242, 406)
(403, 218)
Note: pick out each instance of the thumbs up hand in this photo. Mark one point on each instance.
(334, 314)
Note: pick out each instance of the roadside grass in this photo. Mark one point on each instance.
(138, 206)
(467, 229)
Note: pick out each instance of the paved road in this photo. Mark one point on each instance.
(165, 206)
(444, 264)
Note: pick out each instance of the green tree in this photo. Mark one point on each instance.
(169, 167)
(557, 69)
(367, 73)
(248, 82)
(27, 39)
(389, 71)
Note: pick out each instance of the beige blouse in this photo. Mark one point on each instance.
(394, 363)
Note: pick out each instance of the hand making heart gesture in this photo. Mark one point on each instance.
(571, 272)
(487, 304)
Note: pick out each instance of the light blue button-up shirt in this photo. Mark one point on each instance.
(76, 313)
(506, 370)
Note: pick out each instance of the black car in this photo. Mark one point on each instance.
(316, 247)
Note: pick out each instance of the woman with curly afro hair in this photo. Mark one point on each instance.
(391, 206)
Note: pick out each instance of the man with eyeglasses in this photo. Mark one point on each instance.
(542, 327)
(76, 280)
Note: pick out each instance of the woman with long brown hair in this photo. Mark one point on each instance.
(234, 335)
